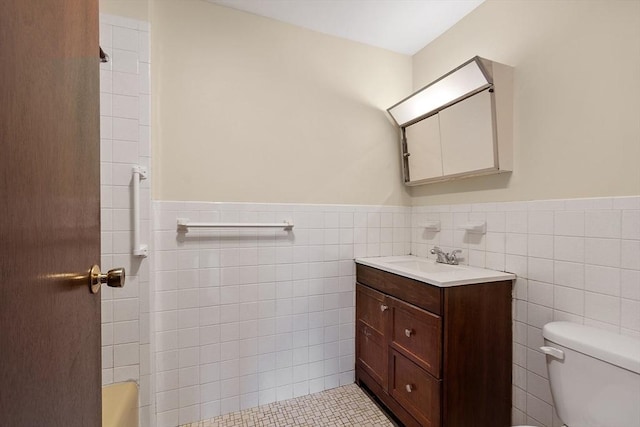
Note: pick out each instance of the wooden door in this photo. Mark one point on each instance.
(49, 213)
(371, 334)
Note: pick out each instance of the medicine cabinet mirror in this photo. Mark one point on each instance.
(458, 126)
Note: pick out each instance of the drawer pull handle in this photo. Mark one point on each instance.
(408, 332)
(383, 307)
(409, 388)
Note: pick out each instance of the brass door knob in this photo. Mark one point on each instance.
(114, 278)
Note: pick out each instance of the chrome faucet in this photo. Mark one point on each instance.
(444, 257)
(453, 259)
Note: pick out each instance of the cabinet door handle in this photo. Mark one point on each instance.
(408, 332)
(409, 388)
(383, 307)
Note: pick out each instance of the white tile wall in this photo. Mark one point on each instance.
(249, 317)
(126, 318)
(576, 259)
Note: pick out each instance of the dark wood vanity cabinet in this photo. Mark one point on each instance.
(435, 356)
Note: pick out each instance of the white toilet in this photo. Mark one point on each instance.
(594, 375)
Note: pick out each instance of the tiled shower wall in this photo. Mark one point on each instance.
(248, 317)
(576, 259)
(124, 132)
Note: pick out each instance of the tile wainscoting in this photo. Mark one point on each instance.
(249, 317)
(125, 142)
(576, 259)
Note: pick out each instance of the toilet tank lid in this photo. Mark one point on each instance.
(619, 350)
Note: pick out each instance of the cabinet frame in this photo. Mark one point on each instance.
(500, 87)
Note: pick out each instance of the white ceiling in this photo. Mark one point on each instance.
(403, 26)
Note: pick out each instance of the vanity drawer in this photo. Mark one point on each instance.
(416, 390)
(418, 334)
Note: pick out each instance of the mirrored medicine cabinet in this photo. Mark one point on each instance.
(460, 125)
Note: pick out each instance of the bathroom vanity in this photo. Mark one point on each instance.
(433, 341)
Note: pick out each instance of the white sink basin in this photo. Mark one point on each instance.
(424, 266)
(438, 274)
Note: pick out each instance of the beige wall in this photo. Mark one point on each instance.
(250, 109)
(136, 9)
(577, 97)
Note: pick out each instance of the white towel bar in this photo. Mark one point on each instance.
(184, 223)
(139, 173)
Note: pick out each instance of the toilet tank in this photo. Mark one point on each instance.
(595, 375)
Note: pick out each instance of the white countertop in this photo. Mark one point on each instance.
(428, 271)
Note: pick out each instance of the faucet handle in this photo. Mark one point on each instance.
(453, 259)
(442, 257)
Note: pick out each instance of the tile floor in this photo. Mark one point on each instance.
(343, 406)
